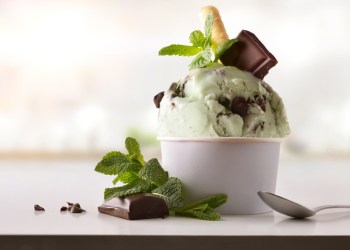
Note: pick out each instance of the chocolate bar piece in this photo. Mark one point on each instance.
(136, 207)
(249, 54)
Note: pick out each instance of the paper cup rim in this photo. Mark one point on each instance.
(222, 139)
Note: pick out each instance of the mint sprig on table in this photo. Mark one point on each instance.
(139, 176)
(201, 47)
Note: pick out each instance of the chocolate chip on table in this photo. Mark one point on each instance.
(63, 209)
(158, 98)
(75, 208)
(239, 106)
(71, 204)
(38, 208)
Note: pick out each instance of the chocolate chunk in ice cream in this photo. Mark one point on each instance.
(239, 106)
(158, 98)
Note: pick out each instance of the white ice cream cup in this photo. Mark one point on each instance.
(238, 167)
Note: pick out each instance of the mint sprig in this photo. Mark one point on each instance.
(203, 209)
(197, 39)
(180, 50)
(139, 176)
(201, 47)
(171, 192)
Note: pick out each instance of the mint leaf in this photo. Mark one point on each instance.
(171, 192)
(179, 50)
(197, 38)
(126, 177)
(207, 214)
(220, 50)
(198, 62)
(206, 53)
(111, 163)
(208, 29)
(202, 59)
(154, 173)
(133, 148)
(212, 201)
(136, 186)
(203, 209)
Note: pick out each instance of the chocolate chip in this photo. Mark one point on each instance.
(71, 204)
(260, 125)
(64, 209)
(173, 95)
(77, 209)
(38, 208)
(239, 106)
(158, 98)
(74, 208)
(187, 78)
(261, 102)
(224, 102)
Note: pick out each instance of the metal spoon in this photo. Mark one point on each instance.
(291, 208)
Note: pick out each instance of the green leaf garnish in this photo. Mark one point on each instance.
(126, 177)
(213, 201)
(140, 176)
(202, 59)
(154, 173)
(171, 192)
(197, 38)
(133, 148)
(207, 214)
(136, 186)
(115, 163)
(179, 50)
(198, 62)
(203, 209)
(201, 47)
(208, 29)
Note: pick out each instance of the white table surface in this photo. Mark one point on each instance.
(51, 183)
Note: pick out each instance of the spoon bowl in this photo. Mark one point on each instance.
(291, 208)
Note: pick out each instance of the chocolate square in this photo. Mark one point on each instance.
(249, 54)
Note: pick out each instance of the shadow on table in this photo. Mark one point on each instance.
(307, 226)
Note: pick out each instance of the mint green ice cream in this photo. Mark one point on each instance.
(221, 101)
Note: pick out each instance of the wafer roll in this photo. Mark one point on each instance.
(219, 34)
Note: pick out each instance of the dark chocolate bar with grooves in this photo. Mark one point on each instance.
(249, 54)
(136, 207)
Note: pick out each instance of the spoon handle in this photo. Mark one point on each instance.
(316, 209)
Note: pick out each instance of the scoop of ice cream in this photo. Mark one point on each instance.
(221, 101)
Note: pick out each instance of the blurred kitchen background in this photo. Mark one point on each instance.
(77, 77)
